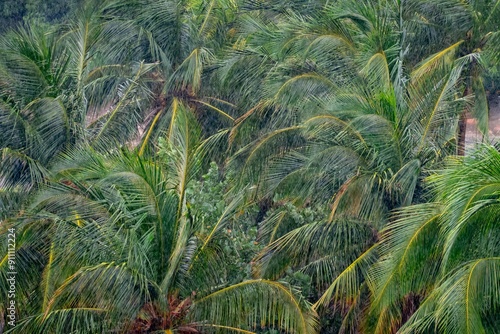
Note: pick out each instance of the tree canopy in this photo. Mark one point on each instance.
(236, 166)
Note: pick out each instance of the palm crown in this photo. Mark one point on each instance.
(115, 245)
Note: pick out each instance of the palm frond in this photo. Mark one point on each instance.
(242, 304)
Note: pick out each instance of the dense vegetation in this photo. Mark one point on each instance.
(236, 166)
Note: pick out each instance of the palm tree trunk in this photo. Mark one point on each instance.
(462, 130)
(462, 127)
(2, 322)
(264, 206)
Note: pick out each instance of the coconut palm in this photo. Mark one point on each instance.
(438, 261)
(185, 37)
(372, 126)
(62, 88)
(368, 155)
(359, 139)
(475, 27)
(112, 77)
(112, 245)
(308, 60)
(481, 35)
(462, 293)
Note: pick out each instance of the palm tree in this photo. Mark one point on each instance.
(369, 155)
(185, 37)
(438, 262)
(475, 27)
(111, 77)
(358, 138)
(60, 89)
(112, 245)
(463, 294)
(482, 37)
(371, 126)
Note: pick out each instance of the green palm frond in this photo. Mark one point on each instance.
(459, 301)
(259, 303)
(347, 285)
(118, 290)
(314, 242)
(441, 254)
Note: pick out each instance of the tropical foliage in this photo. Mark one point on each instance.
(234, 166)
